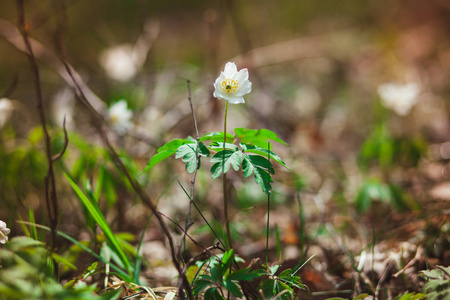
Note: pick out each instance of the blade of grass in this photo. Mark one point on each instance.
(120, 272)
(95, 212)
(33, 232)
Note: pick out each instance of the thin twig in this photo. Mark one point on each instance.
(419, 254)
(191, 196)
(383, 279)
(66, 142)
(50, 186)
(182, 230)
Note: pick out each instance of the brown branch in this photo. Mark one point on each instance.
(50, 187)
(98, 123)
(66, 142)
(13, 35)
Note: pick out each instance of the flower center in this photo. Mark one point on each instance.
(229, 86)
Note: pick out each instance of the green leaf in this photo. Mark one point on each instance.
(95, 212)
(200, 284)
(188, 153)
(62, 260)
(263, 152)
(273, 269)
(410, 296)
(216, 137)
(213, 294)
(165, 151)
(258, 137)
(227, 259)
(221, 146)
(243, 274)
(233, 288)
(217, 272)
(260, 167)
(222, 161)
(285, 274)
(175, 144)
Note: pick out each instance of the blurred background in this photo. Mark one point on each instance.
(359, 89)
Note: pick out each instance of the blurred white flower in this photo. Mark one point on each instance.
(120, 62)
(232, 85)
(399, 97)
(6, 108)
(63, 107)
(120, 116)
(4, 231)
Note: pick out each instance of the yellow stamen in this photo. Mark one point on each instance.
(230, 86)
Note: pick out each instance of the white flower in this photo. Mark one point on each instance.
(4, 231)
(6, 108)
(120, 62)
(231, 85)
(120, 116)
(399, 97)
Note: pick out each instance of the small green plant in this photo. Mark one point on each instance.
(438, 283)
(245, 150)
(26, 273)
(222, 278)
(281, 286)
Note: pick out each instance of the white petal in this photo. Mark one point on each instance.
(230, 70)
(3, 238)
(244, 89)
(2, 225)
(216, 94)
(236, 100)
(241, 75)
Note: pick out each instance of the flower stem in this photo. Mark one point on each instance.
(268, 215)
(224, 181)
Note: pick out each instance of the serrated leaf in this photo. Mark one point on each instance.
(216, 137)
(165, 151)
(285, 274)
(157, 158)
(263, 152)
(410, 296)
(221, 145)
(217, 272)
(212, 293)
(188, 152)
(200, 285)
(222, 161)
(274, 269)
(233, 288)
(243, 274)
(258, 165)
(259, 137)
(175, 144)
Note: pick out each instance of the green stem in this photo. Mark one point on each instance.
(268, 215)
(224, 181)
